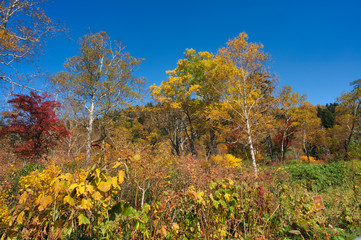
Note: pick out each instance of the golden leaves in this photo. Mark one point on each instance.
(115, 182)
(23, 198)
(20, 218)
(86, 204)
(44, 202)
(97, 196)
(105, 186)
(137, 157)
(78, 191)
(68, 199)
(121, 175)
(227, 160)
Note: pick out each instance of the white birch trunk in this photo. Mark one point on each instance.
(250, 142)
(90, 131)
(282, 148)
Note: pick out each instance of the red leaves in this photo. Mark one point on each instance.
(33, 126)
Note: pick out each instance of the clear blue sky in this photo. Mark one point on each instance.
(315, 45)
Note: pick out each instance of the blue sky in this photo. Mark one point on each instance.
(315, 45)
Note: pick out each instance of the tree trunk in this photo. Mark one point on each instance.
(308, 155)
(213, 142)
(270, 146)
(250, 142)
(192, 135)
(90, 131)
(352, 129)
(282, 147)
(305, 147)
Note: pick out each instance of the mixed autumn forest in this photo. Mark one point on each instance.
(218, 151)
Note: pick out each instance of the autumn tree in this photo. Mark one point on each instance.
(248, 89)
(349, 110)
(99, 79)
(310, 127)
(171, 123)
(24, 27)
(72, 115)
(190, 91)
(32, 126)
(288, 104)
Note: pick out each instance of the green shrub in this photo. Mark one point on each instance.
(319, 177)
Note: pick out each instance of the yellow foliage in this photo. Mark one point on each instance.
(305, 159)
(72, 194)
(5, 214)
(43, 181)
(227, 160)
(233, 161)
(259, 156)
(43, 202)
(105, 186)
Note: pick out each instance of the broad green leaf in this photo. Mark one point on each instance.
(215, 204)
(83, 220)
(213, 185)
(223, 203)
(128, 210)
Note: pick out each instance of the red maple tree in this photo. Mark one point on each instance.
(33, 127)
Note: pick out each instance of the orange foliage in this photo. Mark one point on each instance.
(312, 160)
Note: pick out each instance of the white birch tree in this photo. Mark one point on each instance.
(100, 79)
(248, 91)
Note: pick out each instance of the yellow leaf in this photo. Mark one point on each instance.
(121, 176)
(67, 176)
(44, 202)
(105, 186)
(86, 204)
(20, 218)
(97, 196)
(73, 185)
(115, 182)
(68, 199)
(89, 188)
(117, 165)
(175, 226)
(81, 190)
(59, 187)
(175, 105)
(23, 197)
(137, 157)
(97, 172)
